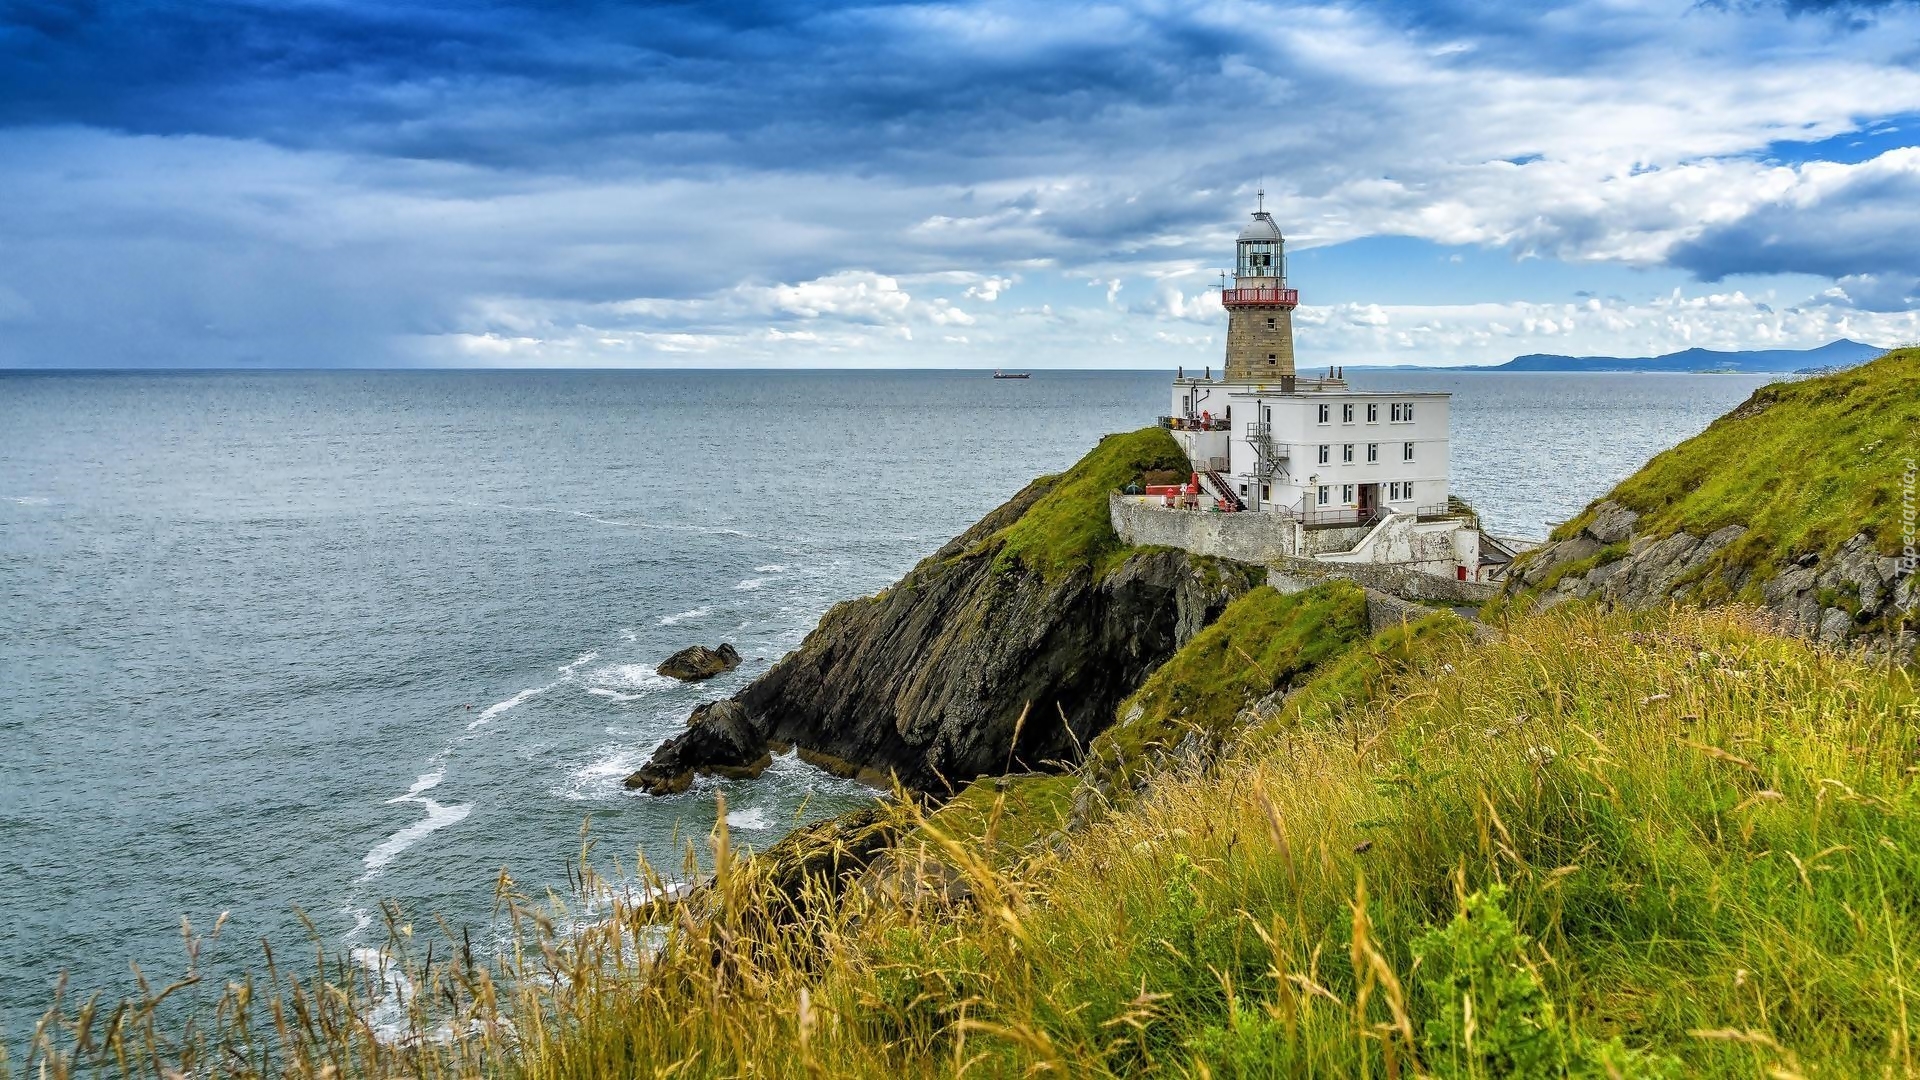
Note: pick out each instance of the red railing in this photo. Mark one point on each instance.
(1239, 297)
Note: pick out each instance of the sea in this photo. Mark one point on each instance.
(307, 648)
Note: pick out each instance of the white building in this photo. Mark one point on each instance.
(1364, 471)
(1322, 451)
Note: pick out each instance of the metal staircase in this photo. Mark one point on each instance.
(1268, 457)
(1218, 486)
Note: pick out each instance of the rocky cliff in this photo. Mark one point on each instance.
(1799, 501)
(1037, 611)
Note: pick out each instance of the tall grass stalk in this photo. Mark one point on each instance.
(1603, 845)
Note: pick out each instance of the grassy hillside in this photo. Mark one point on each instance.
(1069, 527)
(1264, 641)
(1608, 844)
(1805, 465)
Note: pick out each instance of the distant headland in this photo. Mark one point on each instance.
(1834, 354)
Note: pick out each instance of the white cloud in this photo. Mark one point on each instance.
(1606, 132)
(858, 295)
(989, 289)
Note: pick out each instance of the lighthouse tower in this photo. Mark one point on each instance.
(1260, 306)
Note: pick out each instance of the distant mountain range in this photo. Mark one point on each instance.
(1841, 353)
(1836, 354)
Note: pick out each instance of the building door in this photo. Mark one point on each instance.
(1369, 497)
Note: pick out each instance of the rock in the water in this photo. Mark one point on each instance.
(720, 740)
(698, 662)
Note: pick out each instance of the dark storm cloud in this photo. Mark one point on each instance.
(1861, 225)
(237, 181)
(556, 85)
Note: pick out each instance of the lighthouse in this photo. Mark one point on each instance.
(1308, 471)
(1262, 437)
(1260, 305)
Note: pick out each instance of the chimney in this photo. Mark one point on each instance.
(1209, 372)
(1181, 372)
(1286, 384)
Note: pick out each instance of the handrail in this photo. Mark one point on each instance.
(1193, 423)
(1282, 297)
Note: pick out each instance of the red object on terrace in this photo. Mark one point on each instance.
(1260, 297)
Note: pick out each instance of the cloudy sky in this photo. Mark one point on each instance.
(586, 183)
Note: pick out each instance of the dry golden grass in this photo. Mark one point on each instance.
(1605, 845)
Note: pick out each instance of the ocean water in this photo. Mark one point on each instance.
(308, 642)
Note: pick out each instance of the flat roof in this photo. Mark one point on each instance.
(1265, 391)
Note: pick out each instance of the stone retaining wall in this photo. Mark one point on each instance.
(1247, 537)
(1290, 574)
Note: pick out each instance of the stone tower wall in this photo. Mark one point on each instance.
(1250, 341)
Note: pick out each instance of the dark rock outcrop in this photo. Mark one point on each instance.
(1852, 595)
(720, 740)
(930, 680)
(698, 662)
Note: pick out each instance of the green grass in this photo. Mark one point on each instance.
(1263, 641)
(1645, 844)
(1070, 527)
(1006, 816)
(1357, 678)
(1804, 465)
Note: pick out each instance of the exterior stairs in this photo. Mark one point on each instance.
(1218, 487)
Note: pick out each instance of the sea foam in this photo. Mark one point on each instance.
(752, 819)
(499, 707)
(438, 817)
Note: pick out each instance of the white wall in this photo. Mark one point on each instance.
(1202, 445)
(1297, 429)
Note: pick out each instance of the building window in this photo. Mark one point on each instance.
(1325, 413)
(1269, 412)
(1266, 492)
(1373, 452)
(1373, 413)
(1326, 494)
(1271, 359)
(1326, 454)
(1346, 453)
(1269, 324)
(1406, 411)
(1346, 414)
(1346, 494)
(1406, 451)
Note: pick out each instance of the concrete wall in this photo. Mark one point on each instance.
(1290, 574)
(1253, 538)
(1322, 540)
(1201, 445)
(1433, 547)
